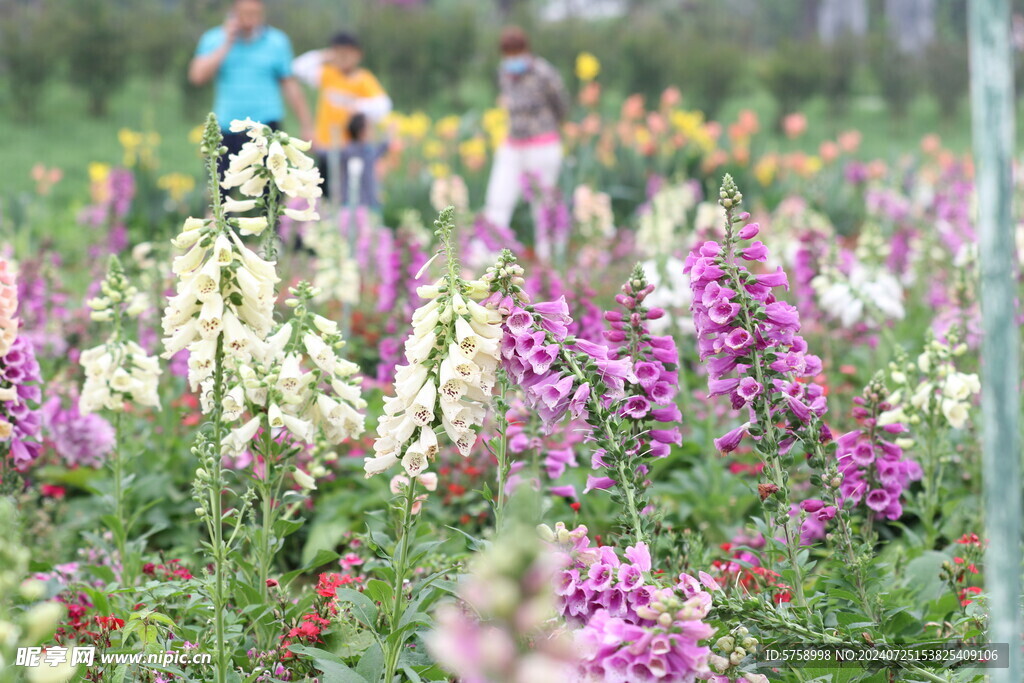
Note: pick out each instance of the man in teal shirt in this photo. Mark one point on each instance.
(251, 64)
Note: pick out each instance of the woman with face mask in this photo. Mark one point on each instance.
(534, 95)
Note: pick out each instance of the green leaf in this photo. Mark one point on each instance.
(371, 664)
(379, 591)
(362, 606)
(921, 575)
(321, 558)
(335, 670)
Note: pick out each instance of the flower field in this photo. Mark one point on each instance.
(259, 437)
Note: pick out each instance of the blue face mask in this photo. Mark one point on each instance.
(515, 65)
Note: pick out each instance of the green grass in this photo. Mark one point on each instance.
(63, 135)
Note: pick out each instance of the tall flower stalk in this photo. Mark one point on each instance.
(118, 373)
(445, 388)
(292, 391)
(223, 312)
(20, 391)
(564, 375)
(754, 355)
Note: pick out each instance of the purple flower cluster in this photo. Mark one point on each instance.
(21, 393)
(655, 360)
(816, 514)
(749, 340)
(587, 322)
(629, 629)
(557, 449)
(533, 356)
(874, 470)
(79, 440)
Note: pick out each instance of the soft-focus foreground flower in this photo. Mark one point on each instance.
(749, 339)
(451, 356)
(629, 626)
(501, 629)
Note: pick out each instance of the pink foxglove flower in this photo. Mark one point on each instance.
(750, 340)
(8, 306)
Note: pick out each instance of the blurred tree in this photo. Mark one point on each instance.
(842, 59)
(946, 69)
(26, 56)
(794, 73)
(97, 47)
(897, 73)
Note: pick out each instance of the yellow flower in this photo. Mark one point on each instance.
(177, 185)
(812, 165)
(473, 152)
(495, 119)
(433, 149)
(687, 122)
(765, 170)
(417, 125)
(642, 137)
(691, 124)
(447, 127)
(98, 172)
(129, 138)
(474, 147)
(439, 170)
(195, 136)
(587, 67)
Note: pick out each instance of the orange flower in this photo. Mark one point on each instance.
(828, 151)
(671, 97)
(849, 141)
(748, 121)
(656, 123)
(591, 124)
(794, 125)
(931, 144)
(633, 107)
(590, 93)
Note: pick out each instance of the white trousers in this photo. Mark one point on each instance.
(542, 162)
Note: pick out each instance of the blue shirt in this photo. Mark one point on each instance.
(248, 83)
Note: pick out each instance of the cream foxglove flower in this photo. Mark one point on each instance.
(452, 355)
(117, 373)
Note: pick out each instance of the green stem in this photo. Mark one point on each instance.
(216, 505)
(117, 461)
(501, 453)
(393, 648)
(616, 451)
(773, 459)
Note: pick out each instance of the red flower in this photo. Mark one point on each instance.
(970, 590)
(271, 583)
(52, 491)
(110, 623)
(575, 506)
(328, 585)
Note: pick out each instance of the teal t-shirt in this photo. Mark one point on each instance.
(248, 83)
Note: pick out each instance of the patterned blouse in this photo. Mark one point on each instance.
(536, 100)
